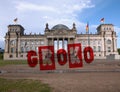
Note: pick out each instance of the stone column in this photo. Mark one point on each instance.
(68, 40)
(113, 44)
(52, 41)
(19, 49)
(57, 43)
(63, 44)
(6, 45)
(16, 47)
(104, 48)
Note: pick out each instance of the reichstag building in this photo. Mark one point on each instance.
(17, 43)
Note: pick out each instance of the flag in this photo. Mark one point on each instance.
(102, 20)
(15, 20)
(87, 27)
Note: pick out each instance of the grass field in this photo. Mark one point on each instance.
(20, 85)
(12, 62)
(23, 85)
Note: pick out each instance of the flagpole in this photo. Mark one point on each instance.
(88, 35)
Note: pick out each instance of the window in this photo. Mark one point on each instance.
(12, 42)
(42, 42)
(99, 48)
(22, 49)
(28, 42)
(104, 28)
(22, 43)
(93, 41)
(37, 42)
(32, 42)
(108, 41)
(12, 50)
(99, 42)
(84, 42)
(27, 49)
(33, 48)
(109, 49)
(94, 48)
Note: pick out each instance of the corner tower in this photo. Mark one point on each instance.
(109, 38)
(12, 41)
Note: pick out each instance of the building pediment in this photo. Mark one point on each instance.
(59, 32)
(60, 29)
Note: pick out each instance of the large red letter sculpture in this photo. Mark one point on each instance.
(75, 55)
(46, 56)
(62, 56)
(32, 61)
(88, 51)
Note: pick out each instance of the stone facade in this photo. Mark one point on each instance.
(17, 43)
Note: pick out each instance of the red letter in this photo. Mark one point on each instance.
(91, 54)
(32, 62)
(75, 55)
(62, 54)
(46, 56)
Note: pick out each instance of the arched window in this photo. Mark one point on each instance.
(108, 41)
(12, 42)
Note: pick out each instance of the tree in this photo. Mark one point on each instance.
(118, 50)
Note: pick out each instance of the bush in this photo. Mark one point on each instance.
(1, 55)
(119, 51)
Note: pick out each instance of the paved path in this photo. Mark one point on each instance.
(99, 76)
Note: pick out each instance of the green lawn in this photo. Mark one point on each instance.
(12, 62)
(23, 85)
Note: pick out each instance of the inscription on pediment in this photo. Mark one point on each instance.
(59, 32)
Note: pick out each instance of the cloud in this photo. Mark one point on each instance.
(54, 11)
(54, 6)
(26, 6)
(117, 29)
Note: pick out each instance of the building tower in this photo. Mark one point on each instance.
(109, 38)
(12, 41)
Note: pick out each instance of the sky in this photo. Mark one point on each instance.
(34, 14)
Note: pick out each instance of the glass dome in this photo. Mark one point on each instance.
(60, 27)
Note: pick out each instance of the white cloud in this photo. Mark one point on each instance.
(54, 11)
(25, 6)
(61, 7)
(117, 29)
